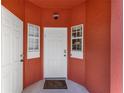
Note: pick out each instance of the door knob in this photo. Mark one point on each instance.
(21, 60)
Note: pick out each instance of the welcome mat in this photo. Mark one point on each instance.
(55, 84)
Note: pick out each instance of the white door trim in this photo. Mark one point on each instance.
(61, 28)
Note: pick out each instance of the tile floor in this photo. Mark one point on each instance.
(72, 88)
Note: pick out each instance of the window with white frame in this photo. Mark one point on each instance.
(77, 41)
(33, 47)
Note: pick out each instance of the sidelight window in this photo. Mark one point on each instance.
(77, 41)
(33, 41)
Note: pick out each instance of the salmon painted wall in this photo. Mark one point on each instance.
(76, 67)
(97, 44)
(116, 46)
(33, 67)
(15, 6)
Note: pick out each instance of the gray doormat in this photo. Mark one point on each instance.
(55, 84)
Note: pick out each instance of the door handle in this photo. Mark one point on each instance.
(64, 50)
(21, 55)
(21, 60)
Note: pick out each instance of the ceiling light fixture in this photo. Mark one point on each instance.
(56, 16)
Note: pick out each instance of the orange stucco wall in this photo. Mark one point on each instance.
(15, 6)
(116, 46)
(76, 67)
(97, 43)
(94, 70)
(32, 68)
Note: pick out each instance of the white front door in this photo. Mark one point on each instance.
(12, 50)
(55, 52)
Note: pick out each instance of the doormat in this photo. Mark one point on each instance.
(55, 84)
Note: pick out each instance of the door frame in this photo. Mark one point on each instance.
(44, 49)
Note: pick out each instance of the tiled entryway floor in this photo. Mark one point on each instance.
(72, 88)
